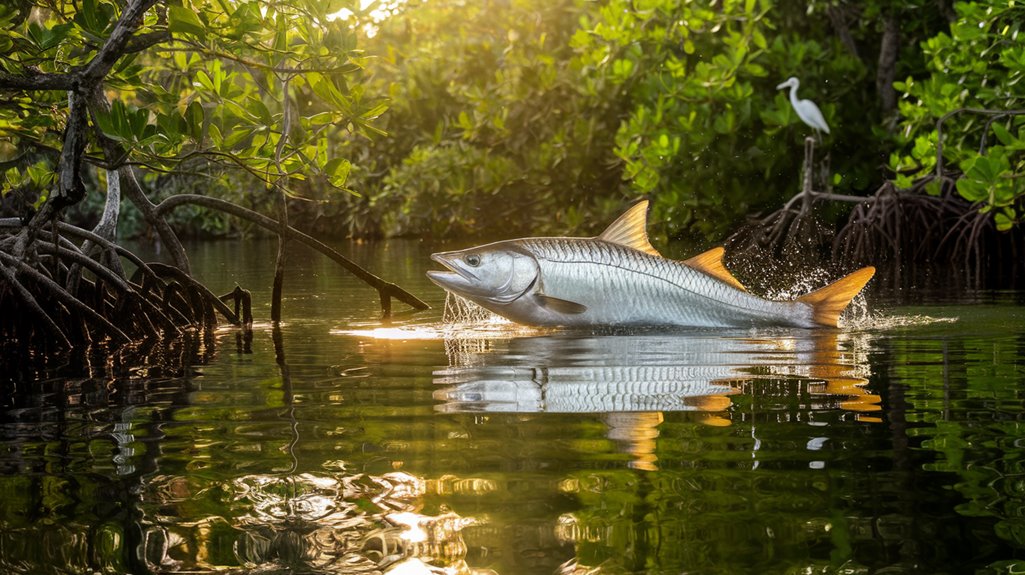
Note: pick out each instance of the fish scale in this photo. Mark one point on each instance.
(623, 286)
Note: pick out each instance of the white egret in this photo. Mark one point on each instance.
(806, 110)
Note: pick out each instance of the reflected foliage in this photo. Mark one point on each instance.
(973, 422)
(893, 448)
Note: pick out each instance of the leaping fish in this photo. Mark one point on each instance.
(618, 279)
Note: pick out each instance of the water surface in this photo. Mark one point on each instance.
(341, 444)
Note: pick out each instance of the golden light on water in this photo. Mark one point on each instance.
(395, 333)
(492, 328)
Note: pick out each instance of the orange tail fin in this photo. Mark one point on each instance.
(827, 303)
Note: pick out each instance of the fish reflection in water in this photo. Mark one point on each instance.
(633, 379)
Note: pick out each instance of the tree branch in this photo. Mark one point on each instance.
(384, 288)
(148, 40)
(37, 81)
(118, 41)
(131, 188)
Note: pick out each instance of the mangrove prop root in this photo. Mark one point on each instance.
(204, 294)
(94, 319)
(243, 301)
(54, 296)
(906, 233)
(29, 300)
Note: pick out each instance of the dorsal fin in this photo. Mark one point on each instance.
(630, 229)
(710, 262)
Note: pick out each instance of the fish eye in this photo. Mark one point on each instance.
(473, 260)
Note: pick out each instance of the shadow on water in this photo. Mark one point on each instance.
(430, 447)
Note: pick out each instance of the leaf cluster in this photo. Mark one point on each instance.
(487, 127)
(203, 87)
(968, 111)
(550, 116)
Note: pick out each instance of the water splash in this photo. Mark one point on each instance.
(858, 316)
(879, 321)
(459, 310)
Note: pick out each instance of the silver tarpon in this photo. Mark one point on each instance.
(618, 279)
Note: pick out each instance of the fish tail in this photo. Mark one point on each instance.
(828, 303)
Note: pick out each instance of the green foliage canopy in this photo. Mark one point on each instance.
(973, 93)
(201, 87)
(548, 116)
(521, 115)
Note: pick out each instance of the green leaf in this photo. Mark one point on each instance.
(281, 35)
(972, 190)
(95, 17)
(337, 171)
(1003, 220)
(185, 21)
(327, 91)
(195, 116)
(374, 112)
(1003, 135)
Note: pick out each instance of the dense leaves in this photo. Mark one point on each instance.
(240, 85)
(516, 116)
(550, 116)
(973, 96)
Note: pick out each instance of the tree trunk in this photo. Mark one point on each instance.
(129, 184)
(106, 228)
(838, 19)
(886, 72)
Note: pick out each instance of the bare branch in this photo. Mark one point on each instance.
(37, 81)
(384, 288)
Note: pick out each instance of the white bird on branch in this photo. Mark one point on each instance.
(806, 110)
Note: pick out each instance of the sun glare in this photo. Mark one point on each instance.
(369, 20)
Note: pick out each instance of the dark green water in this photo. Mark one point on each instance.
(341, 445)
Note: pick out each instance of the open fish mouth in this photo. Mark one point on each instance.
(454, 277)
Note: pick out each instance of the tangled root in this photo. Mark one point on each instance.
(910, 236)
(918, 236)
(55, 296)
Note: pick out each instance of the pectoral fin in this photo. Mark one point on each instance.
(560, 305)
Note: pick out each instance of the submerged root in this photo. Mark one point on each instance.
(75, 300)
